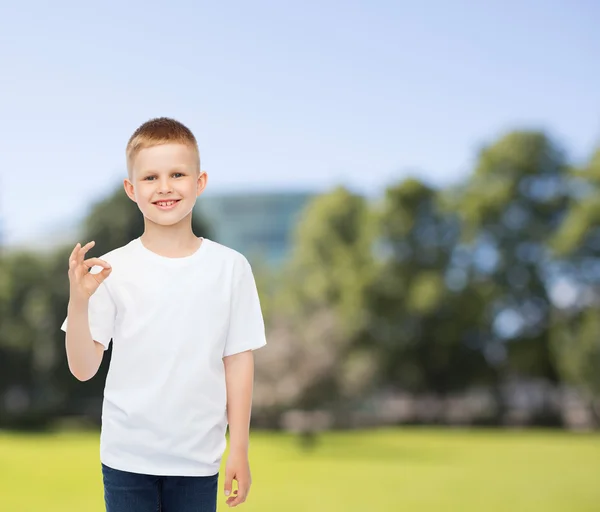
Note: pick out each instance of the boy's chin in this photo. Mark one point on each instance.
(165, 219)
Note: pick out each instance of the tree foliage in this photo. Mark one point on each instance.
(424, 290)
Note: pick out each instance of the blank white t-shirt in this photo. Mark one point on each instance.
(171, 321)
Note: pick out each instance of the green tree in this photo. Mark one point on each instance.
(575, 339)
(28, 358)
(424, 320)
(576, 282)
(578, 238)
(332, 262)
(511, 207)
(322, 305)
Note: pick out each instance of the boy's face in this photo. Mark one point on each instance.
(165, 182)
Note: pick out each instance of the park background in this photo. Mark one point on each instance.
(417, 186)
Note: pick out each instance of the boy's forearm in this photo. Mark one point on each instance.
(82, 354)
(239, 375)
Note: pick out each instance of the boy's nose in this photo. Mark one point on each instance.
(164, 187)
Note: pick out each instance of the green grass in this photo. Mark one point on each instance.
(378, 470)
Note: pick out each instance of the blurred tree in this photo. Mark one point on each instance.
(300, 366)
(511, 207)
(332, 263)
(25, 381)
(321, 306)
(579, 234)
(575, 339)
(76, 398)
(576, 284)
(410, 292)
(424, 319)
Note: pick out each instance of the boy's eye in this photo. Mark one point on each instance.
(176, 174)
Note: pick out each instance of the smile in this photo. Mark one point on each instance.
(166, 205)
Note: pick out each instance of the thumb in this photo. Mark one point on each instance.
(101, 276)
(228, 482)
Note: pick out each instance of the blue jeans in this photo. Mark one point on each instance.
(132, 492)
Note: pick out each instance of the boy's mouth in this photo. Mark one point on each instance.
(166, 205)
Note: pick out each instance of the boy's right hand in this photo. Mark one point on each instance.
(83, 283)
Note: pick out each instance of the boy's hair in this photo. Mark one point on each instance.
(157, 131)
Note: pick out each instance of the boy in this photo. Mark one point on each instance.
(184, 316)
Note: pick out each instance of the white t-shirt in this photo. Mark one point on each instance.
(171, 321)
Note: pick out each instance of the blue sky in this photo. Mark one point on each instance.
(282, 95)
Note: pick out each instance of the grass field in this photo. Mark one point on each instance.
(379, 470)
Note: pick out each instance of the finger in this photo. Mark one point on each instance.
(232, 499)
(74, 252)
(236, 500)
(72, 265)
(73, 257)
(244, 489)
(84, 250)
(228, 483)
(242, 486)
(85, 267)
(101, 276)
(93, 262)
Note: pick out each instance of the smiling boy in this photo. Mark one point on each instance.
(184, 316)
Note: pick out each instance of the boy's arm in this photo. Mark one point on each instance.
(239, 376)
(84, 355)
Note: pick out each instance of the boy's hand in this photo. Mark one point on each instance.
(83, 284)
(237, 468)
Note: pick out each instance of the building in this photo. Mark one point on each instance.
(257, 224)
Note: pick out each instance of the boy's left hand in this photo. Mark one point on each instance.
(237, 468)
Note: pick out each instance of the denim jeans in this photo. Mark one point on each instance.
(132, 492)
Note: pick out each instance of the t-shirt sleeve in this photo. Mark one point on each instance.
(246, 324)
(101, 315)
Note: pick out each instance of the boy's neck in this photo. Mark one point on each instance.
(170, 242)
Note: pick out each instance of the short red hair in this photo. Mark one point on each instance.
(157, 131)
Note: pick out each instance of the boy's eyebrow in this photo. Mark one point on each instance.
(177, 168)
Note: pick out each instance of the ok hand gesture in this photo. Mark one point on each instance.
(83, 284)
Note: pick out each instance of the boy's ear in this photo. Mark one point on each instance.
(201, 184)
(128, 186)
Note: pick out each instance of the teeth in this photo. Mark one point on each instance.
(165, 203)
